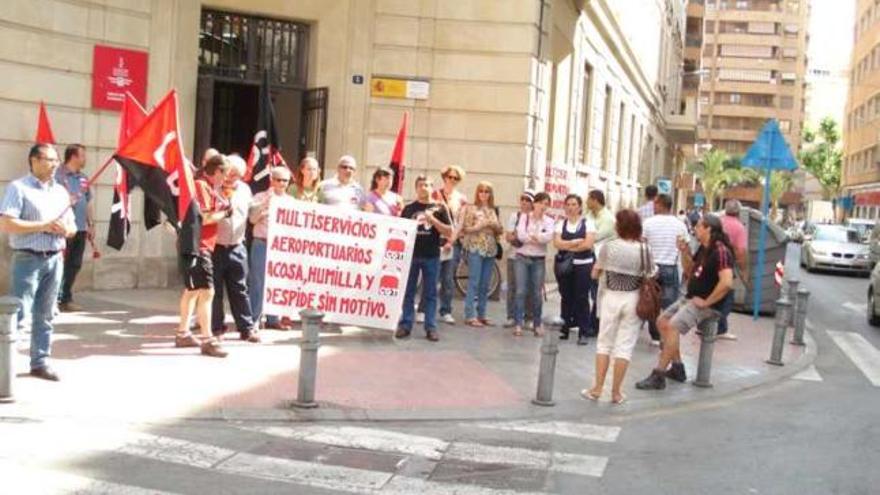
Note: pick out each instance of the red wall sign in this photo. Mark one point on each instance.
(116, 71)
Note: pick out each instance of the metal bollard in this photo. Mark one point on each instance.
(783, 308)
(308, 358)
(8, 320)
(793, 285)
(707, 346)
(549, 350)
(803, 297)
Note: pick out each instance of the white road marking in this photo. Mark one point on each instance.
(306, 473)
(860, 308)
(361, 438)
(436, 449)
(38, 481)
(810, 374)
(865, 356)
(401, 485)
(582, 431)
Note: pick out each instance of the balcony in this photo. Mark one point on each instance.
(681, 127)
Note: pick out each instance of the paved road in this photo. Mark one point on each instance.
(817, 434)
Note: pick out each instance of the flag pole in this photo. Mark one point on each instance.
(89, 184)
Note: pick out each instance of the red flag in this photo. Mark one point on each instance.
(397, 165)
(153, 157)
(44, 130)
(131, 118)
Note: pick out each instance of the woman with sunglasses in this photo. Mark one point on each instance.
(305, 183)
(479, 233)
(381, 199)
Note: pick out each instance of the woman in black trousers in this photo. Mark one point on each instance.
(574, 239)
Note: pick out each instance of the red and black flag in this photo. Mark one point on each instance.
(44, 130)
(397, 157)
(265, 152)
(154, 161)
(131, 118)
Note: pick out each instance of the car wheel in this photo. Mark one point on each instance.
(873, 319)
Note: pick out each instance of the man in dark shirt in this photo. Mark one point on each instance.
(710, 278)
(434, 225)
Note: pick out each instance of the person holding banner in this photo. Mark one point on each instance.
(71, 177)
(198, 271)
(306, 181)
(381, 199)
(36, 214)
(534, 231)
(259, 216)
(433, 226)
(343, 190)
(479, 233)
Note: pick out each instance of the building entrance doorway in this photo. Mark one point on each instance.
(234, 50)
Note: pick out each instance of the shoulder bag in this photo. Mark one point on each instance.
(648, 307)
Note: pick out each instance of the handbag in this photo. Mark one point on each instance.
(648, 307)
(563, 265)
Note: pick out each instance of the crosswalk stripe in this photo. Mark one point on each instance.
(37, 481)
(306, 473)
(435, 449)
(809, 374)
(582, 431)
(865, 356)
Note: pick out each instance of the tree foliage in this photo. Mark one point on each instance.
(822, 157)
(717, 171)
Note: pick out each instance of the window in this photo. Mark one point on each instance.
(785, 126)
(586, 114)
(709, 27)
(786, 102)
(606, 128)
(621, 124)
(735, 98)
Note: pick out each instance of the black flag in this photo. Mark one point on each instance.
(265, 152)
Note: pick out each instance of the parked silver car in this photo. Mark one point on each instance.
(873, 298)
(835, 247)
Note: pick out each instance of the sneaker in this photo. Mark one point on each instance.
(447, 318)
(69, 307)
(563, 333)
(212, 348)
(727, 336)
(432, 335)
(401, 333)
(655, 343)
(676, 372)
(187, 340)
(655, 381)
(420, 317)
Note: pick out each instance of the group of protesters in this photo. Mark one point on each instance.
(600, 264)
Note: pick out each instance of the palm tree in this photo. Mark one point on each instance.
(780, 183)
(717, 173)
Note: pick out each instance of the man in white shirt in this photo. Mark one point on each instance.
(343, 190)
(662, 231)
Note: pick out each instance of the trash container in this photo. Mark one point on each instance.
(775, 247)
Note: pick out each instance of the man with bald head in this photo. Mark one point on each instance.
(343, 190)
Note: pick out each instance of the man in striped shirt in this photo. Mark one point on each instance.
(35, 212)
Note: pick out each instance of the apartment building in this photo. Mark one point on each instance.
(570, 94)
(861, 171)
(754, 56)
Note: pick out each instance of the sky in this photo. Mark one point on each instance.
(831, 33)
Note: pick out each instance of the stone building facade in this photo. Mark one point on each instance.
(506, 88)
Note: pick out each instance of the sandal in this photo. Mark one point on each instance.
(539, 331)
(589, 395)
(474, 322)
(619, 400)
(517, 332)
(486, 322)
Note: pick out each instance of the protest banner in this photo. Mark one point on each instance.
(557, 185)
(351, 265)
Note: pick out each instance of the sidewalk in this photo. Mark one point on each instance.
(117, 361)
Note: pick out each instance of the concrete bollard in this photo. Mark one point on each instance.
(308, 358)
(8, 321)
(547, 369)
(793, 285)
(803, 298)
(707, 347)
(783, 308)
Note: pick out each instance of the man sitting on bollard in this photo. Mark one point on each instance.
(434, 223)
(710, 277)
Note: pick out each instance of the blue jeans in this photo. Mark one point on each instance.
(529, 280)
(231, 272)
(257, 282)
(35, 281)
(428, 267)
(726, 308)
(667, 277)
(479, 275)
(447, 282)
(574, 292)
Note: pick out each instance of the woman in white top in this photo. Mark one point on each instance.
(534, 231)
(622, 264)
(479, 233)
(573, 267)
(381, 199)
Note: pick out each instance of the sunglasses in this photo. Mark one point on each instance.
(452, 177)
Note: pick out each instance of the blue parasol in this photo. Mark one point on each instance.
(770, 152)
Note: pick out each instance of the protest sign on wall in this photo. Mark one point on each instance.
(556, 183)
(351, 265)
